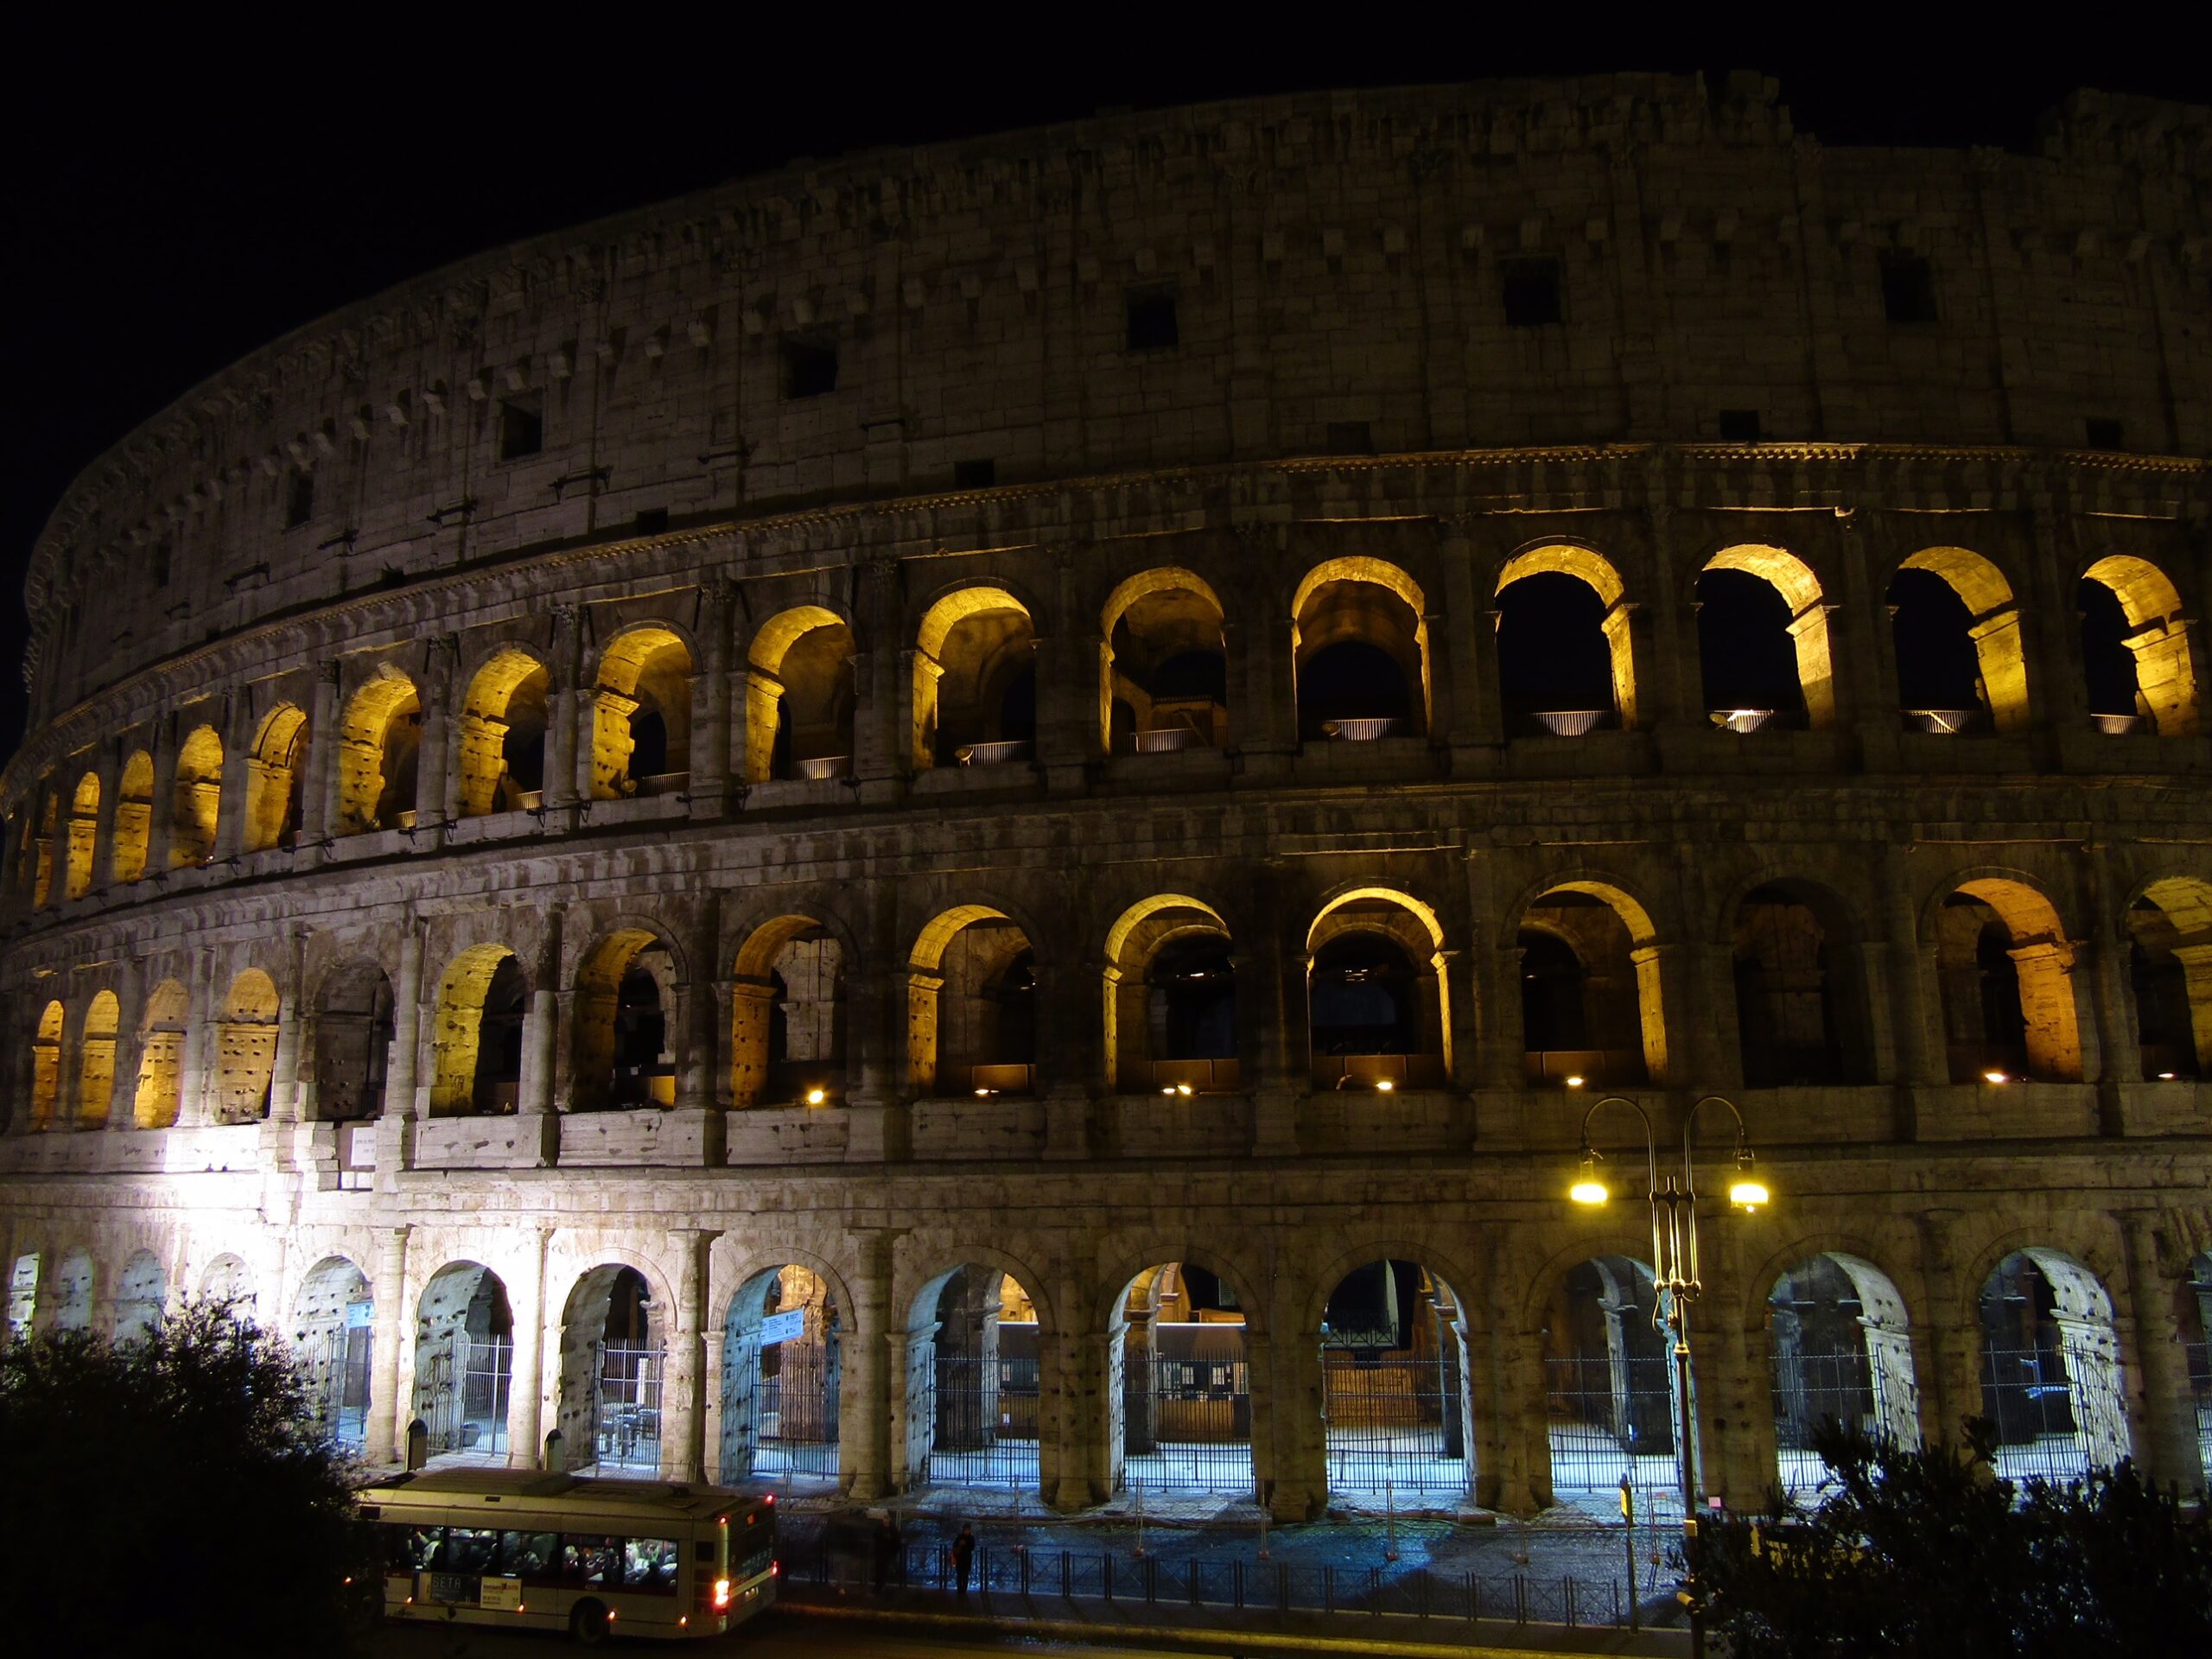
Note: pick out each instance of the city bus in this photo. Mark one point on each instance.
(526, 1549)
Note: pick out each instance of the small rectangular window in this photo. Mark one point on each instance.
(162, 564)
(1908, 289)
(1350, 438)
(1152, 320)
(1531, 290)
(522, 431)
(2104, 433)
(1739, 426)
(651, 521)
(974, 474)
(810, 368)
(299, 498)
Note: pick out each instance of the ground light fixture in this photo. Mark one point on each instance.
(816, 1097)
(1674, 1278)
(1994, 1077)
(1383, 1086)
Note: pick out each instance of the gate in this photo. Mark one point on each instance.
(986, 1427)
(626, 1406)
(465, 1386)
(349, 1384)
(1613, 1418)
(795, 1413)
(1392, 1422)
(1187, 1423)
(2038, 1411)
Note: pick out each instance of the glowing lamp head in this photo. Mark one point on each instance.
(816, 1097)
(1589, 1186)
(983, 1094)
(2165, 1077)
(1184, 1090)
(1747, 1193)
(1993, 1076)
(1170, 1089)
(1383, 1086)
(1574, 1083)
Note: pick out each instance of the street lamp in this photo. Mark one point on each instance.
(1674, 1280)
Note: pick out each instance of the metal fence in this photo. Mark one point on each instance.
(1611, 1419)
(985, 1430)
(795, 1413)
(2037, 1410)
(461, 1393)
(1186, 1424)
(1808, 1390)
(1393, 1424)
(626, 1406)
(344, 1404)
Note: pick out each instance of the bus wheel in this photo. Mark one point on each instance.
(588, 1624)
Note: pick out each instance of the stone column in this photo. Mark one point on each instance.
(384, 1428)
(880, 744)
(563, 719)
(161, 811)
(1948, 1343)
(1512, 1440)
(284, 1073)
(875, 1348)
(1735, 1409)
(699, 1057)
(682, 1442)
(526, 1384)
(1284, 1064)
(396, 1128)
(1297, 1442)
(432, 784)
(711, 724)
(111, 776)
(2120, 1056)
(1472, 719)
(195, 1067)
(1072, 1458)
(230, 812)
(2165, 1438)
(130, 1044)
(540, 1045)
(1921, 1059)
(319, 788)
(1068, 1032)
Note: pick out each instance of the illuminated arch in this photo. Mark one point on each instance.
(377, 751)
(96, 1069)
(2157, 639)
(644, 676)
(503, 716)
(456, 1035)
(161, 1056)
(1830, 1363)
(985, 663)
(1643, 952)
(812, 1014)
(1196, 624)
(596, 1009)
(245, 1048)
(134, 818)
(2185, 941)
(196, 803)
(2000, 652)
(84, 835)
(46, 1066)
(1792, 578)
(2042, 959)
(926, 979)
(1342, 913)
(272, 780)
(802, 670)
(1596, 572)
(1137, 937)
(1316, 624)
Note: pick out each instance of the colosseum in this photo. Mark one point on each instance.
(984, 817)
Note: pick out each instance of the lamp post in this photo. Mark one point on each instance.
(1674, 1280)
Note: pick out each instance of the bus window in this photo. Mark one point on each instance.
(650, 1564)
(532, 1555)
(412, 1549)
(468, 1549)
(585, 1560)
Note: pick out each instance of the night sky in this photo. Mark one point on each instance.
(164, 219)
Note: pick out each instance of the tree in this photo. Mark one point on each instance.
(1927, 1551)
(171, 1494)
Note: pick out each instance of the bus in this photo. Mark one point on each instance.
(527, 1549)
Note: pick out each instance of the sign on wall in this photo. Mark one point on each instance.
(782, 1327)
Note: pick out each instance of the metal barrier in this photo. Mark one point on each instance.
(795, 1413)
(626, 1406)
(1393, 1424)
(1187, 1423)
(1614, 1418)
(985, 1427)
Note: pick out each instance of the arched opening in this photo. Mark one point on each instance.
(974, 689)
(1171, 999)
(72, 1293)
(641, 721)
(2170, 967)
(354, 1026)
(1376, 1010)
(1838, 1351)
(141, 1295)
(96, 1069)
(787, 1016)
(272, 780)
(160, 1057)
(502, 735)
(1800, 1016)
(799, 697)
(1393, 1368)
(2050, 1372)
(2135, 649)
(196, 802)
(333, 1322)
(782, 1360)
(465, 1363)
(1763, 641)
(134, 817)
(22, 1294)
(2193, 1312)
(1179, 1394)
(624, 1009)
(971, 1005)
(476, 1044)
(46, 1066)
(2006, 970)
(1962, 667)
(1164, 672)
(972, 1382)
(611, 1353)
(1609, 1389)
(229, 1281)
(378, 747)
(84, 836)
(1565, 663)
(1590, 1000)
(1359, 641)
(245, 1049)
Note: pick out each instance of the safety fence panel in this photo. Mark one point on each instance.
(986, 1429)
(625, 1408)
(465, 1389)
(1613, 1419)
(1187, 1425)
(1391, 1425)
(2038, 1410)
(797, 1413)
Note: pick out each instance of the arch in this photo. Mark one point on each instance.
(464, 1361)
(613, 1344)
(23, 1292)
(779, 1404)
(800, 697)
(355, 1021)
(1609, 1387)
(134, 818)
(160, 1091)
(1351, 944)
(1992, 628)
(641, 714)
(623, 1015)
(2051, 1368)
(1618, 1001)
(2170, 964)
(1347, 617)
(273, 773)
(228, 1280)
(788, 1015)
(2156, 640)
(73, 1292)
(245, 1048)
(1806, 627)
(333, 1327)
(46, 1065)
(84, 836)
(141, 1295)
(1839, 1349)
(1179, 1383)
(970, 1005)
(476, 1043)
(974, 1377)
(196, 801)
(96, 1068)
(1801, 1015)
(1171, 1026)
(974, 650)
(2005, 969)
(379, 742)
(1162, 656)
(502, 734)
(1396, 1407)
(1528, 695)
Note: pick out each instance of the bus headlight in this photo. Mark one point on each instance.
(722, 1595)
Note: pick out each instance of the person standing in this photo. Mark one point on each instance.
(963, 1554)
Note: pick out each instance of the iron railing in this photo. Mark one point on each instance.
(1393, 1424)
(1186, 1424)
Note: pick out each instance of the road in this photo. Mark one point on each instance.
(779, 1636)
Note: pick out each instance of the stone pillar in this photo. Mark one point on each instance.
(432, 784)
(1068, 1032)
(1472, 719)
(526, 1386)
(1948, 1343)
(721, 1416)
(541, 1021)
(711, 724)
(1662, 1004)
(195, 1067)
(682, 1437)
(875, 1351)
(1512, 1441)
(396, 1128)
(2119, 1056)
(1074, 1465)
(230, 812)
(1286, 1068)
(111, 776)
(562, 717)
(1921, 1057)
(699, 1057)
(319, 788)
(2165, 1415)
(285, 1077)
(384, 1428)
(2051, 1000)
(1297, 1439)
(161, 811)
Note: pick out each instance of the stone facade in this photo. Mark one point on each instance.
(741, 743)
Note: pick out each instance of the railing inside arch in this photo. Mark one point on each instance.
(1613, 1417)
(1809, 1389)
(625, 1408)
(2047, 1421)
(342, 1373)
(1186, 1422)
(796, 1414)
(1393, 1422)
(985, 1429)
(465, 1391)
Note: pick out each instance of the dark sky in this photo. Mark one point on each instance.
(165, 218)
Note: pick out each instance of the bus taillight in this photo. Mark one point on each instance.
(722, 1595)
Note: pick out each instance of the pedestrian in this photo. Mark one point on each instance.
(963, 1554)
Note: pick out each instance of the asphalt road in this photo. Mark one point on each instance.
(776, 1637)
